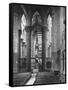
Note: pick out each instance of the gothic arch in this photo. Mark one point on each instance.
(49, 36)
(23, 24)
(36, 18)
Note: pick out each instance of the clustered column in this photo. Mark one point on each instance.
(28, 61)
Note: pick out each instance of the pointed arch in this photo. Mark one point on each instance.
(36, 18)
(23, 24)
(49, 36)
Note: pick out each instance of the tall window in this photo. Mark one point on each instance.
(23, 43)
(49, 36)
(23, 24)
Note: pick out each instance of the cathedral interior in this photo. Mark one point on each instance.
(38, 44)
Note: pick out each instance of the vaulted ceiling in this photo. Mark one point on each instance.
(30, 9)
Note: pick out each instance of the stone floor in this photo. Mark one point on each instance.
(32, 79)
(38, 78)
(46, 78)
(21, 78)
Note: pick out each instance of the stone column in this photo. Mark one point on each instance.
(16, 27)
(43, 47)
(19, 33)
(28, 61)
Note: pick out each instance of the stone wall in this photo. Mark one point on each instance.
(16, 27)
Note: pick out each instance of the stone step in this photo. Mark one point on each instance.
(44, 78)
(21, 78)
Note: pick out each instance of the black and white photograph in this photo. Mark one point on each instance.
(37, 44)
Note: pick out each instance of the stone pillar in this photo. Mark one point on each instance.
(32, 45)
(19, 33)
(62, 29)
(43, 48)
(16, 27)
(28, 61)
(32, 51)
